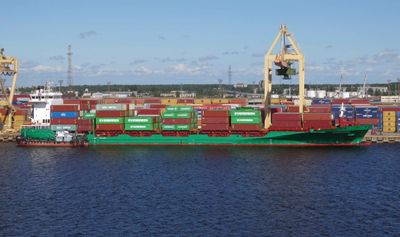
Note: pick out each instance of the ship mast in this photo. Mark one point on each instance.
(288, 54)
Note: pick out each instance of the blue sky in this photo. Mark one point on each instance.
(152, 42)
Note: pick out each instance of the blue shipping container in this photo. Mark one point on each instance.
(348, 113)
(321, 101)
(366, 110)
(57, 115)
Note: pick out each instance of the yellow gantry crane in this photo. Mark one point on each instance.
(288, 54)
(8, 67)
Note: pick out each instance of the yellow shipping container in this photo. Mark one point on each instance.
(275, 101)
(202, 101)
(389, 114)
(169, 101)
(389, 125)
(389, 119)
(219, 101)
(390, 129)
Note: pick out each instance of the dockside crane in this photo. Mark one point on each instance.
(289, 54)
(8, 67)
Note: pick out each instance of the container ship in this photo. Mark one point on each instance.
(86, 123)
(185, 121)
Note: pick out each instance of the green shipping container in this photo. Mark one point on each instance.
(141, 127)
(179, 108)
(177, 127)
(109, 120)
(177, 115)
(141, 119)
(244, 113)
(245, 120)
(87, 115)
(62, 127)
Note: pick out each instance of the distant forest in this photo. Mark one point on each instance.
(212, 90)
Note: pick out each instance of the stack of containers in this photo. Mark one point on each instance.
(245, 119)
(142, 123)
(215, 120)
(286, 121)
(110, 117)
(366, 114)
(179, 118)
(317, 121)
(85, 125)
(64, 117)
(389, 121)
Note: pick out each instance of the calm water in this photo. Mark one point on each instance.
(200, 191)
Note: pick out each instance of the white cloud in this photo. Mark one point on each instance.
(45, 68)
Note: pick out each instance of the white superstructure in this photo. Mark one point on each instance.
(42, 98)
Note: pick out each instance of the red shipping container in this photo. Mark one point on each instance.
(242, 102)
(65, 108)
(215, 107)
(317, 116)
(287, 102)
(215, 120)
(110, 113)
(340, 101)
(319, 109)
(157, 106)
(215, 113)
(246, 127)
(285, 116)
(215, 127)
(286, 124)
(109, 127)
(71, 102)
(185, 101)
(295, 108)
(123, 101)
(152, 101)
(390, 109)
(85, 122)
(365, 121)
(84, 128)
(156, 112)
(64, 121)
(359, 101)
(177, 121)
(317, 124)
(138, 101)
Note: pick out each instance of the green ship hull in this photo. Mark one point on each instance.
(352, 135)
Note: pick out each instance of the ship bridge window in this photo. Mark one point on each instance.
(50, 97)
